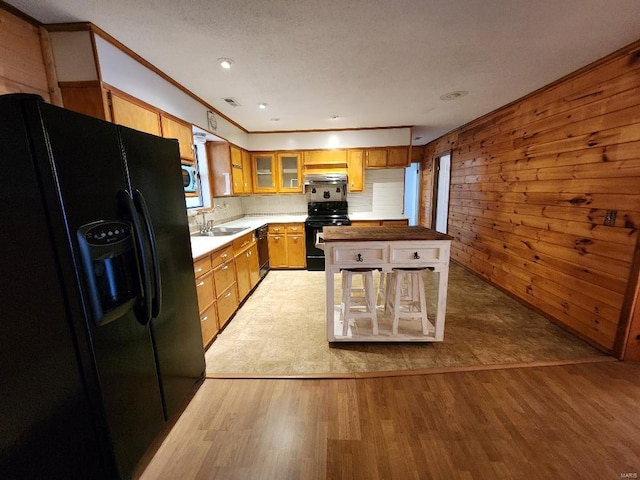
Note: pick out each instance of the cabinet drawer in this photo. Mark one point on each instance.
(205, 291)
(242, 242)
(360, 256)
(417, 256)
(221, 256)
(225, 276)
(227, 304)
(209, 323)
(277, 228)
(202, 266)
(295, 228)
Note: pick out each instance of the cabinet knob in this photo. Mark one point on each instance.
(204, 319)
(416, 255)
(359, 258)
(200, 284)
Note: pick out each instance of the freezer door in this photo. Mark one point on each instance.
(89, 180)
(47, 424)
(154, 168)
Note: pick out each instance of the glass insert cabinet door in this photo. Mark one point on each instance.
(289, 172)
(264, 179)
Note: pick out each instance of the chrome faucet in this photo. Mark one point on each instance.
(206, 225)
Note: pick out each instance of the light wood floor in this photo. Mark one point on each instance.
(558, 422)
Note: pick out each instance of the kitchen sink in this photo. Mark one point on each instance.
(221, 231)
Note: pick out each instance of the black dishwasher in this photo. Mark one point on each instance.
(263, 249)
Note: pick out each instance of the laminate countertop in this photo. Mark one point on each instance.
(204, 245)
(372, 234)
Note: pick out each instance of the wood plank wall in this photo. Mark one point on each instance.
(545, 195)
(22, 67)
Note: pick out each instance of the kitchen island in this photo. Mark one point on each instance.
(385, 248)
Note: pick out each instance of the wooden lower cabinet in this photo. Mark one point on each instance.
(394, 223)
(209, 323)
(227, 305)
(245, 253)
(205, 290)
(379, 223)
(224, 273)
(296, 253)
(223, 279)
(287, 246)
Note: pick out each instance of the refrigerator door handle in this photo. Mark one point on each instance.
(143, 309)
(141, 205)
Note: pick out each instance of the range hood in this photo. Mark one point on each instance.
(325, 179)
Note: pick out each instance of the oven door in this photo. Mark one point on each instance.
(315, 256)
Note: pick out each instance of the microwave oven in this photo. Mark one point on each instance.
(189, 179)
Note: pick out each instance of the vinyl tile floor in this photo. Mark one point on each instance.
(280, 331)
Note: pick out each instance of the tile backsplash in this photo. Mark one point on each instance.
(383, 193)
(284, 204)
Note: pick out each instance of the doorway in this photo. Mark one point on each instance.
(442, 165)
(412, 192)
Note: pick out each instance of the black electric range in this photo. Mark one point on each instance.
(322, 214)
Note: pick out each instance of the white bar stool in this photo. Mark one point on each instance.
(385, 286)
(408, 304)
(365, 305)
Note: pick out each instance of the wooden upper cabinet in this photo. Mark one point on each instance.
(219, 162)
(355, 170)
(240, 171)
(229, 169)
(391, 157)
(398, 157)
(182, 131)
(86, 97)
(289, 172)
(129, 113)
(325, 157)
(376, 157)
(264, 169)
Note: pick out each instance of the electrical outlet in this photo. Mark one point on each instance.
(610, 218)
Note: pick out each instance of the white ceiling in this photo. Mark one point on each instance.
(375, 63)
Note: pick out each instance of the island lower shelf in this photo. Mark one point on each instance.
(382, 250)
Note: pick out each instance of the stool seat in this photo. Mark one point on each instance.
(354, 306)
(406, 297)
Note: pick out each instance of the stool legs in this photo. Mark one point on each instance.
(414, 298)
(347, 303)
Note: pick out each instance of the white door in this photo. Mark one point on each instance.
(442, 193)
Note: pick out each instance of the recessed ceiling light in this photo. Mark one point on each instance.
(453, 95)
(262, 106)
(275, 119)
(334, 117)
(225, 63)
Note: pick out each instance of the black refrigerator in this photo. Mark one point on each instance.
(99, 326)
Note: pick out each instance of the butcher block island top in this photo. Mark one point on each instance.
(386, 250)
(373, 234)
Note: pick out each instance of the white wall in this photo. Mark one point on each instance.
(381, 137)
(124, 73)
